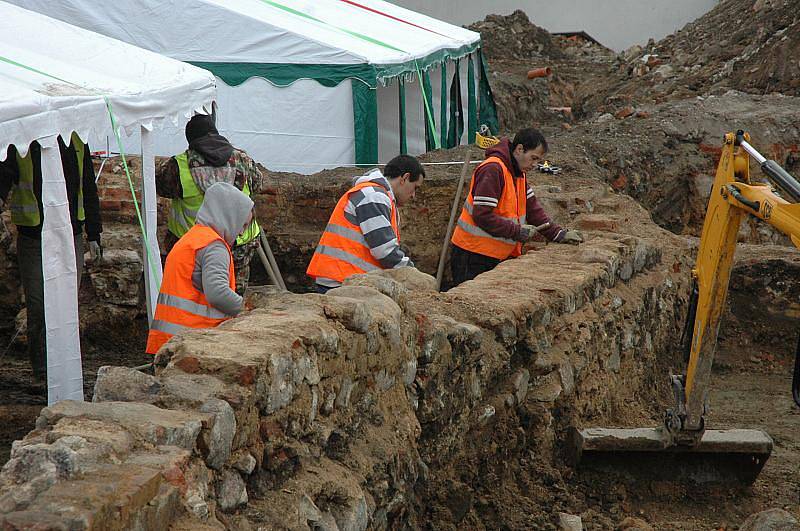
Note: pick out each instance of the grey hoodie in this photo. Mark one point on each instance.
(225, 209)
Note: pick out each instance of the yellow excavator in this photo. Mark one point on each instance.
(711, 455)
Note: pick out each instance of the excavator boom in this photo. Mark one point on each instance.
(738, 453)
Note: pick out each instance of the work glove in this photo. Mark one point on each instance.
(95, 250)
(572, 237)
(526, 232)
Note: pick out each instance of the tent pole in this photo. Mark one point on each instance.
(64, 370)
(152, 273)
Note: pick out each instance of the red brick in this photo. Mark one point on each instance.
(597, 223)
(188, 364)
(620, 182)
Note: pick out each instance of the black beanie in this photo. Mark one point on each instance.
(199, 126)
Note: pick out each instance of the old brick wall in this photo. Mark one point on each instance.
(352, 409)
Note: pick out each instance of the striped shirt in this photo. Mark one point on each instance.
(371, 209)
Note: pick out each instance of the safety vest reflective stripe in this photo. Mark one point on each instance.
(343, 251)
(350, 234)
(346, 257)
(520, 219)
(167, 327)
(184, 210)
(180, 305)
(477, 231)
(511, 206)
(190, 306)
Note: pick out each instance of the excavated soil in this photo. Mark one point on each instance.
(647, 122)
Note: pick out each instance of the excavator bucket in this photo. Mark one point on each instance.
(721, 457)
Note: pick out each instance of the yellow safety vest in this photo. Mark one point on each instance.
(24, 205)
(183, 213)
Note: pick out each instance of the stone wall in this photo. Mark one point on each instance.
(354, 409)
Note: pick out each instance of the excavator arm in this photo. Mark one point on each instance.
(733, 196)
(687, 450)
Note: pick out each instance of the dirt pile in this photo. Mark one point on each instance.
(744, 45)
(515, 38)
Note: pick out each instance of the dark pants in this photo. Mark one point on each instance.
(466, 265)
(29, 256)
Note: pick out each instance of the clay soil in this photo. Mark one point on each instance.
(750, 389)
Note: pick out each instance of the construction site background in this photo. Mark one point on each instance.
(392, 405)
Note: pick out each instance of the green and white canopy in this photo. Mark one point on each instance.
(55, 80)
(310, 84)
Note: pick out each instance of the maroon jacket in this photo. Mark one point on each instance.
(486, 193)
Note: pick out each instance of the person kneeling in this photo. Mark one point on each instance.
(199, 285)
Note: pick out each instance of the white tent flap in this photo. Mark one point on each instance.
(56, 79)
(64, 371)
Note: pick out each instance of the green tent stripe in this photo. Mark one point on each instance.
(472, 110)
(284, 74)
(356, 34)
(115, 128)
(37, 71)
(488, 110)
(365, 123)
(401, 90)
(329, 75)
(443, 106)
(432, 139)
(456, 127)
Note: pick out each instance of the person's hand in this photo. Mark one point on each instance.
(526, 232)
(95, 250)
(572, 237)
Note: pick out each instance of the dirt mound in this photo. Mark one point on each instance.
(740, 44)
(515, 37)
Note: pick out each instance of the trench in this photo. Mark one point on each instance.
(466, 484)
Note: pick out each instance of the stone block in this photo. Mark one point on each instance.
(520, 382)
(245, 463)
(771, 520)
(569, 522)
(121, 384)
(145, 422)
(215, 443)
(109, 498)
(116, 278)
(231, 491)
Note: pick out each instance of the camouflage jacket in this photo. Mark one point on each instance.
(239, 169)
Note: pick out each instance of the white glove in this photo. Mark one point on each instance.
(95, 251)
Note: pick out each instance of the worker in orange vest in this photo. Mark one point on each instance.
(199, 285)
(501, 211)
(363, 233)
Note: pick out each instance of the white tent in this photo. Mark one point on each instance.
(311, 84)
(56, 79)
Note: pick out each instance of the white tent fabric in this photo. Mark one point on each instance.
(286, 43)
(56, 79)
(283, 31)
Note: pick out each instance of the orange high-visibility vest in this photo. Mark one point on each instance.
(180, 304)
(512, 206)
(342, 249)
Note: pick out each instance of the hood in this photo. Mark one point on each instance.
(377, 177)
(503, 152)
(203, 137)
(225, 209)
